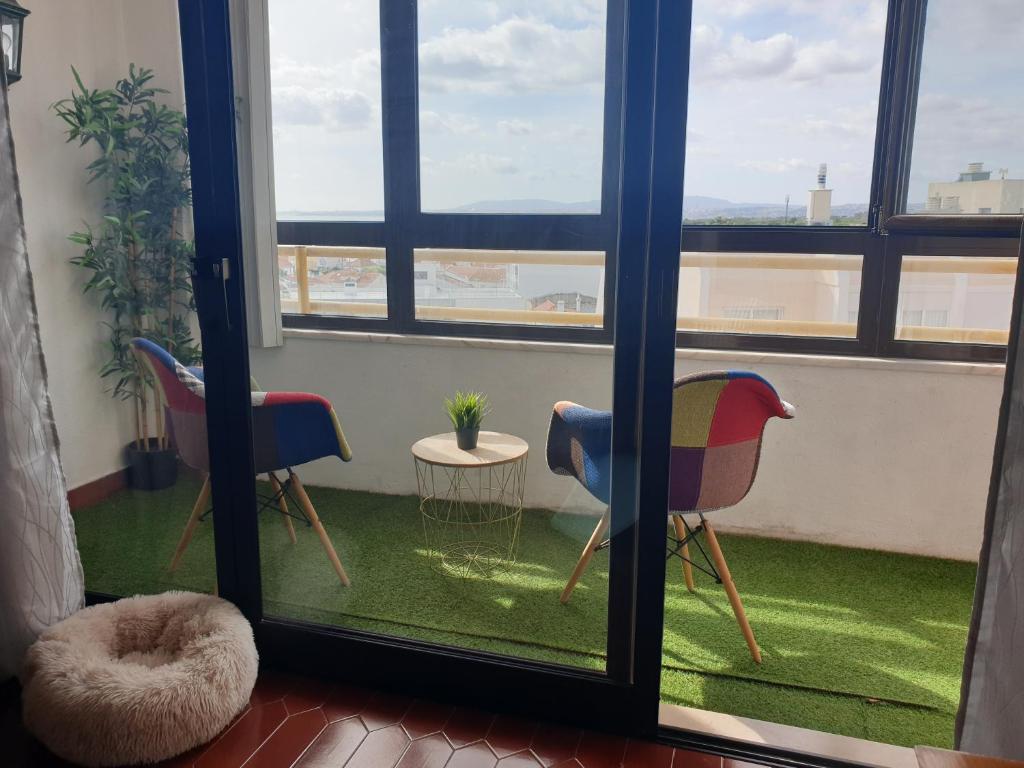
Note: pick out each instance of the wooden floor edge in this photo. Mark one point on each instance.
(97, 490)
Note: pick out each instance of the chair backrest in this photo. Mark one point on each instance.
(718, 419)
(185, 396)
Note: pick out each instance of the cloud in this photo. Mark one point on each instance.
(449, 123)
(951, 131)
(515, 127)
(743, 58)
(476, 162)
(513, 56)
(739, 57)
(830, 57)
(828, 10)
(336, 109)
(840, 122)
(481, 13)
(781, 165)
(974, 29)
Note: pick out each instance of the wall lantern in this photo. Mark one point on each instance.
(12, 25)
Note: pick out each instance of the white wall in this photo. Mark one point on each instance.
(99, 38)
(883, 454)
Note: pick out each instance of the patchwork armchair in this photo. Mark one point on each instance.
(289, 429)
(718, 421)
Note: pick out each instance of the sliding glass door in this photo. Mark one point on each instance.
(447, 233)
(402, 221)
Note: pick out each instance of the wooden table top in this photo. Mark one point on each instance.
(492, 449)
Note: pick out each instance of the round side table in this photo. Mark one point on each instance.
(471, 502)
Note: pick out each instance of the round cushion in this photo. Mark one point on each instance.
(139, 680)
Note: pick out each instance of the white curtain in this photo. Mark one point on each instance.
(41, 578)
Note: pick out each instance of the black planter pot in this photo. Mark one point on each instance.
(151, 470)
(466, 438)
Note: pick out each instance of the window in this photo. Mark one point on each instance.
(770, 293)
(515, 107)
(968, 150)
(332, 280)
(326, 97)
(783, 105)
(511, 106)
(521, 287)
(955, 299)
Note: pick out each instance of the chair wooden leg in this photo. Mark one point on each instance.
(677, 520)
(275, 486)
(730, 590)
(307, 507)
(584, 561)
(193, 521)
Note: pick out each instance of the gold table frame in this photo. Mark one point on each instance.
(471, 502)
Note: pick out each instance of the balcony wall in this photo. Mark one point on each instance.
(892, 455)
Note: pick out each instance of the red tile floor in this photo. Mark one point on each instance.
(309, 724)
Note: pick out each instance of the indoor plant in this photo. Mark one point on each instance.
(138, 256)
(466, 411)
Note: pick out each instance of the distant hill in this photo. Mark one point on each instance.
(694, 207)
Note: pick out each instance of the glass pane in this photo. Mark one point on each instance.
(10, 34)
(783, 603)
(782, 110)
(332, 280)
(775, 293)
(955, 299)
(511, 106)
(968, 153)
(325, 91)
(532, 287)
(134, 462)
(470, 549)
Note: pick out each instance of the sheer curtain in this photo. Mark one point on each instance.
(41, 578)
(991, 717)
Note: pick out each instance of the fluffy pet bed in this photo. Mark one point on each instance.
(139, 680)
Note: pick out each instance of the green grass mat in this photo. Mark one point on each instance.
(856, 642)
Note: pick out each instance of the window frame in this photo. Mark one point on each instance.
(889, 232)
(406, 227)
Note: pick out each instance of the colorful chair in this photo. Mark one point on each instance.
(718, 419)
(289, 429)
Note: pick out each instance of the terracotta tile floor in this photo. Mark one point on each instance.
(308, 724)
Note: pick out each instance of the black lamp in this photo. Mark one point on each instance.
(12, 28)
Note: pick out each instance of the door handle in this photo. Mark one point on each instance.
(220, 271)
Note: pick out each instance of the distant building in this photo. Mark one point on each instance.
(819, 201)
(976, 192)
(566, 301)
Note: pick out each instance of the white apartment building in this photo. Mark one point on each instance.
(975, 191)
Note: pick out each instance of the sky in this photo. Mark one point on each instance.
(511, 99)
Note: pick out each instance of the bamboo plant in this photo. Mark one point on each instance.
(138, 256)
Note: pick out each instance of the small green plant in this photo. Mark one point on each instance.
(467, 409)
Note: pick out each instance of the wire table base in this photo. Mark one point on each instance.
(471, 516)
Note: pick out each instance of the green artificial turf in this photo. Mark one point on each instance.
(856, 642)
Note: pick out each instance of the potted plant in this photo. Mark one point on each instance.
(138, 256)
(466, 411)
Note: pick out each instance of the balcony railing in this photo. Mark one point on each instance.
(304, 303)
